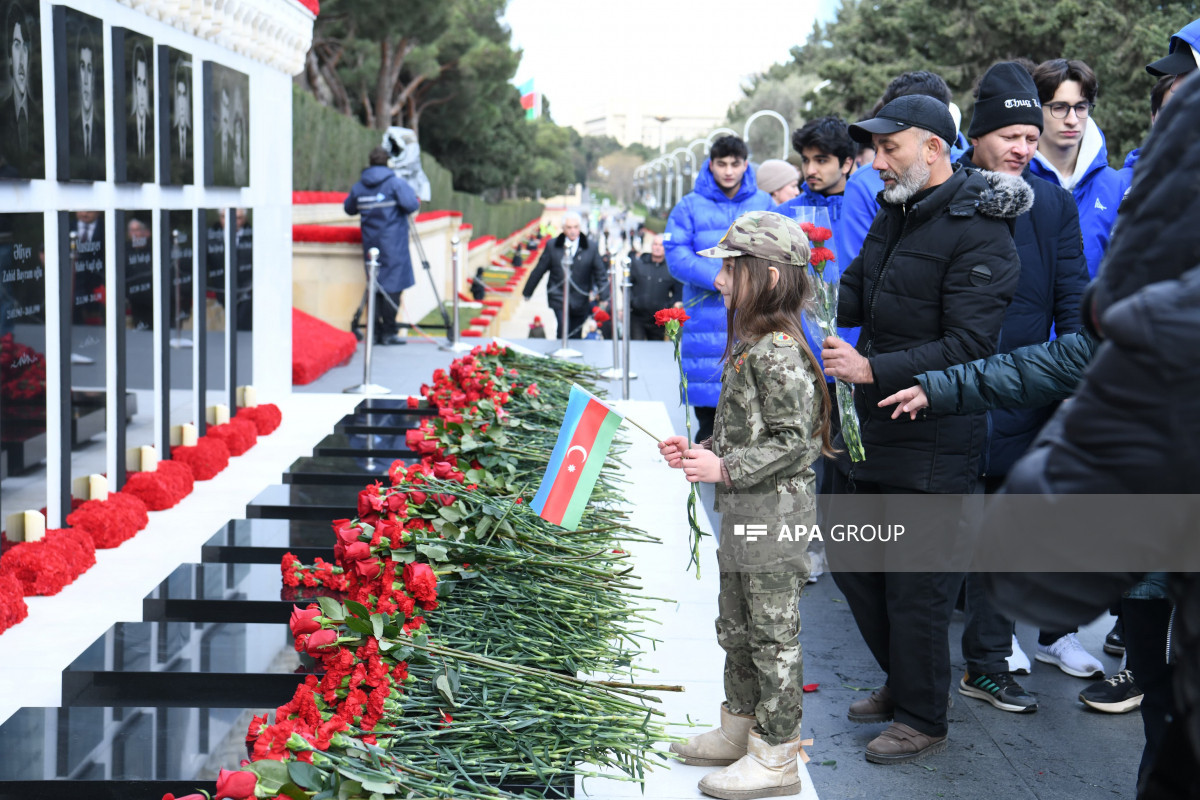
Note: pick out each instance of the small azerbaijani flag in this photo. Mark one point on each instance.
(530, 100)
(583, 441)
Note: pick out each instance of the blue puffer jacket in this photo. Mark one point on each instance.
(791, 208)
(861, 202)
(385, 201)
(1098, 190)
(698, 222)
(1126, 169)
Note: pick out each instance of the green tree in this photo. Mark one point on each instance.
(868, 44)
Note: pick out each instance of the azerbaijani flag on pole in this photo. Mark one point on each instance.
(583, 441)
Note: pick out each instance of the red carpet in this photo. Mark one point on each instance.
(317, 347)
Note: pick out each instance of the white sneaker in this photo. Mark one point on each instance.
(1068, 655)
(816, 566)
(1018, 662)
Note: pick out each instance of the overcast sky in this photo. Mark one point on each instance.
(687, 55)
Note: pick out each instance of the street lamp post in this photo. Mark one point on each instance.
(782, 121)
(662, 142)
(689, 168)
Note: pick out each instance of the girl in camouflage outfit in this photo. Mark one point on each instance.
(772, 423)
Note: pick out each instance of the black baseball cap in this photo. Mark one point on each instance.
(910, 111)
(1181, 58)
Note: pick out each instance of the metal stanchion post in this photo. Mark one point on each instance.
(614, 372)
(453, 345)
(563, 351)
(366, 387)
(626, 285)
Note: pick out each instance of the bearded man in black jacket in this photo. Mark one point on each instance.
(930, 286)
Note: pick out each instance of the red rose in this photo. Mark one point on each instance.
(357, 552)
(442, 469)
(320, 642)
(367, 568)
(235, 785)
(304, 620)
(665, 315)
(346, 533)
(447, 499)
(417, 497)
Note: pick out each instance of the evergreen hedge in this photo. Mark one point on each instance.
(329, 151)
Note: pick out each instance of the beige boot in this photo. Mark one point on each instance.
(719, 747)
(765, 771)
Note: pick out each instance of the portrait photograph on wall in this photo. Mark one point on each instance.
(227, 132)
(79, 95)
(22, 136)
(177, 144)
(133, 101)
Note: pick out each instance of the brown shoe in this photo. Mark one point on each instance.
(876, 708)
(900, 744)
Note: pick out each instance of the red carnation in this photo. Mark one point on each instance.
(600, 315)
(815, 233)
(421, 582)
(665, 315)
(821, 255)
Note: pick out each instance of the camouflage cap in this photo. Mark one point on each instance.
(766, 235)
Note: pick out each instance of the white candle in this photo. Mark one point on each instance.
(218, 414)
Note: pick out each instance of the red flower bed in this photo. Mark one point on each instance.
(162, 489)
(266, 417)
(206, 459)
(46, 566)
(239, 435)
(327, 234)
(317, 347)
(12, 602)
(112, 521)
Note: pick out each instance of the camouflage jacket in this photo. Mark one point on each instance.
(764, 423)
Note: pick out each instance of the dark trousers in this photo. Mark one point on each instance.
(642, 327)
(1173, 776)
(987, 634)
(576, 322)
(387, 306)
(705, 416)
(904, 617)
(1146, 622)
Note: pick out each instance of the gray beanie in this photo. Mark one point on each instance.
(774, 174)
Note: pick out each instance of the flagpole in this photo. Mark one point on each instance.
(643, 430)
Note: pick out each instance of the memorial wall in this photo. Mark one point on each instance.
(139, 150)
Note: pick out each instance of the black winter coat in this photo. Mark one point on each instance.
(1053, 276)
(1134, 426)
(588, 274)
(929, 288)
(653, 286)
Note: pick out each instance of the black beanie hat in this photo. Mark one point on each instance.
(1007, 96)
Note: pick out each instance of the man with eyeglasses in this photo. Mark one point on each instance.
(1072, 152)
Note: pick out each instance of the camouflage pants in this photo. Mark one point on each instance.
(758, 627)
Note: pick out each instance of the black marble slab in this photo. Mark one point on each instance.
(339, 470)
(203, 593)
(379, 422)
(362, 446)
(395, 405)
(304, 502)
(264, 541)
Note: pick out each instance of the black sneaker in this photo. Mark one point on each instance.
(998, 688)
(1114, 695)
(1114, 643)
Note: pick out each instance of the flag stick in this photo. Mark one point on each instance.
(643, 430)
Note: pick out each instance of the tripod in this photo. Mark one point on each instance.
(356, 325)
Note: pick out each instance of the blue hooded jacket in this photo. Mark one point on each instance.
(1126, 169)
(1098, 190)
(861, 202)
(698, 222)
(791, 208)
(385, 201)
